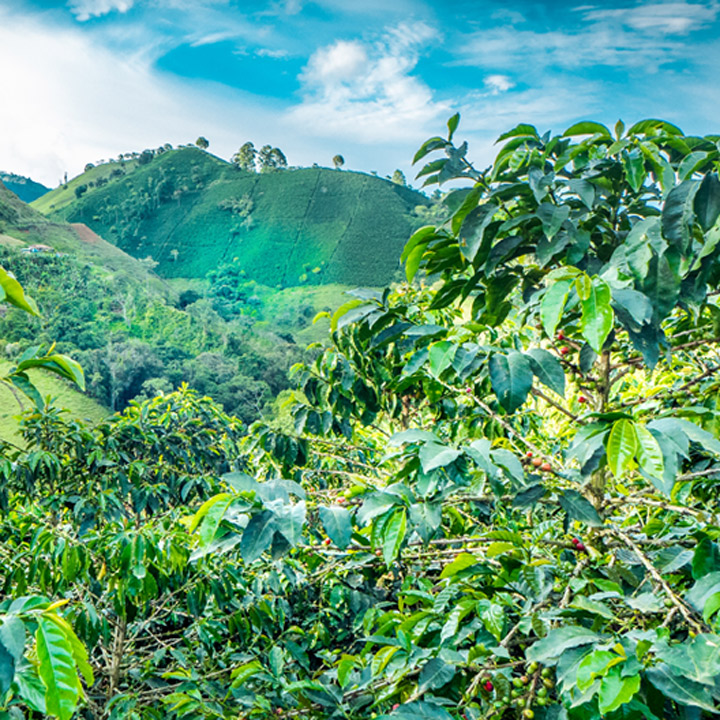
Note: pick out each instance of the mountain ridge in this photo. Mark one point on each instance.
(24, 187)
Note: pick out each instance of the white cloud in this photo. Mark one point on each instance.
(72, 101)
(366, 91)
(276, 54)
(667, 18)
(645, 36)
(336, 66)
(509, 48)
(498, 84)
(87, 9)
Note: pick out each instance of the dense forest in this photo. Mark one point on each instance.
(135, 342)
(492, 495)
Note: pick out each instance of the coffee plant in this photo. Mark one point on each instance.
(495, 496)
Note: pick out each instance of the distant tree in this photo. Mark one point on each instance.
(187, 297)
(89, 166)
(280, 160)
(245, 157)
(271, 159)
(398, 177)
(338, 161)
(80, 190)
(264, 158)
(148, 262)
(202, 143)
(174, 252)
(146, 156)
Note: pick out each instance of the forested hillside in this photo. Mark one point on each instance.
(134, 335)
(191, 212)
(496, 497)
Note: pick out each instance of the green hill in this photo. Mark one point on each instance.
(21, 226)
(25, 188)
(190, 212)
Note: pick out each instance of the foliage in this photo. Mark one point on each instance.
(17, 378)
(398, 177)
(338, 161)
(496, 497)
(270, 159)
(46, 677)
(528, 529)
(126, 335)
(245, 157)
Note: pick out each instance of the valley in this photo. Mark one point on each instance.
(182, 268)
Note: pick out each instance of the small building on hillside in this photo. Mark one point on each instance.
(38, 249)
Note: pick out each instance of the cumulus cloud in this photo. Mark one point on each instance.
(87, 9)
(73, 98)
(498, 84)
(366, 90)
(69, 101)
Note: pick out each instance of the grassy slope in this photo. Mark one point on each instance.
(64, 195)
(310, 226)
(21, 225)
(80, 406)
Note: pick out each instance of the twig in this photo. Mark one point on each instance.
(655, 503)
(540, 394)
(676, 601)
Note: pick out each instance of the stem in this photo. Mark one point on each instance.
(676, 601)
(117, 655)
(539, 394)
(598, 482)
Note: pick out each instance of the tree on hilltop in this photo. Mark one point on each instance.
(271, 159)
(202, 143)
(245, 158)
(338, 161)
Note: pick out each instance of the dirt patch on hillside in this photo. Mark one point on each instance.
(85, 233)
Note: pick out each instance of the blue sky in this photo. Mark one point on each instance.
(84, 80)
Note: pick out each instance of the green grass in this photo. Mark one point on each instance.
(64, 195)
(294, 309)
(310, 226)
(66, 396)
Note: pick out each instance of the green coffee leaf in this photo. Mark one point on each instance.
(597, 317)
(621, 446)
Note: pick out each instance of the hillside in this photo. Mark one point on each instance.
(78, 405)
(21, 226)
(25, 188)
(191, 212)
